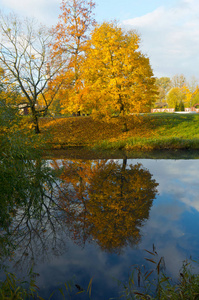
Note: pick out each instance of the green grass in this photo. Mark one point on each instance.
(143, 284)
(157, 132)
(145, 132)
(155, 284)
(156, 143)
(13, 288)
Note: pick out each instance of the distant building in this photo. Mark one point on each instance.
(194, 108)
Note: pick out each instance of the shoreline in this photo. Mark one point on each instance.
(86, 154)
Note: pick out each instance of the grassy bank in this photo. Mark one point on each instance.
(146, 132)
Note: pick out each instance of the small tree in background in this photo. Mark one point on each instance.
(176, 107)
(181, 106)
(174, 96)
(195, 97)
(163, 85)
(178, 81)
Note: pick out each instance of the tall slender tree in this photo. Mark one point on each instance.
(75, 21)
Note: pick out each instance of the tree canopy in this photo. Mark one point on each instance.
(174, 96)
(117, 76)
(164, 85)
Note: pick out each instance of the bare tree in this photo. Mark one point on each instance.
(25, 55)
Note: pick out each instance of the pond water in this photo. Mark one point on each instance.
(95, 218)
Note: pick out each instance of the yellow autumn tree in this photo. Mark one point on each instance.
(175, 96)
(195, 97)
(118, 78)
(187, 96)
(71, 35)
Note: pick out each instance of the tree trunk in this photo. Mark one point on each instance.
(122, 174)
(35, 120)
(124, 127)
(124, 164)
(36, 125)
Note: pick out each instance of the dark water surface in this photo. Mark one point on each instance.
(97, 218)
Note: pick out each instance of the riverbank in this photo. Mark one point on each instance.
(147, 132)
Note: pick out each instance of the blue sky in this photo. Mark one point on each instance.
(125, 9)
(169, 29)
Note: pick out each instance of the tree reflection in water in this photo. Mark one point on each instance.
(96, 201)
(105, 201)
(30, 222)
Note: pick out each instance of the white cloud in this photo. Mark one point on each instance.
(170, 37)
(46, 11)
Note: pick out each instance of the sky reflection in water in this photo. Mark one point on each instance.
(171, 224)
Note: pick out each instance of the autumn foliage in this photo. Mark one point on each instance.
(118, 77)
(105, 73)
(104, 201)
(78, 66)
(71, 34)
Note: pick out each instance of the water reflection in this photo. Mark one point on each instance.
(47, 211)
(96, 201)
(105, 202)
(31, 227)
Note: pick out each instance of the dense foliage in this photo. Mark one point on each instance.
(118, 77)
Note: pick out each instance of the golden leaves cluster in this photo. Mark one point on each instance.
(118, 75)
